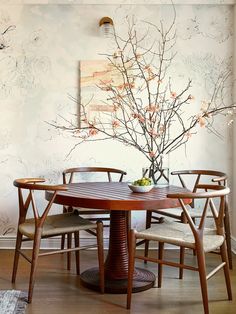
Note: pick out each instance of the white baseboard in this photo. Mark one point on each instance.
(8, 242)
(46, 244)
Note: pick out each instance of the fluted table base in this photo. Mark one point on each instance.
(143, 280)
(116, 265)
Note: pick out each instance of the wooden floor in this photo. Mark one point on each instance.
(58, 291)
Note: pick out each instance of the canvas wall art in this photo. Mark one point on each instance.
(94, 77)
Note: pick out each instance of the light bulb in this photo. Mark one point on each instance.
(106, 26)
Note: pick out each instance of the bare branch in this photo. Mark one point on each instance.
(148, 113)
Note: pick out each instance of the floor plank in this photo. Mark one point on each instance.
(58, 291)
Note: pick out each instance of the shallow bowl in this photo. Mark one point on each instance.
(140, 188)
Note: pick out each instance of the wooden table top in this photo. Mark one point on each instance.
(116, 196)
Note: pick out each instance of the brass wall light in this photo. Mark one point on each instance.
(106, 26)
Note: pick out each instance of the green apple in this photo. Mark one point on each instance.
(143, 181)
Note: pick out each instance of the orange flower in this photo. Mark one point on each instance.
(162, 128)
(115, 107)
(132, 85)
(138, 116)
(129, 85)
(141, 118)
(191, 97)
(151, 77)
(153, 133)
(121, 86)
(153, 108)
(188, 135)
(152, 154)
(202, 122)
(93, 132)
(147, 67)
(134, 115)
(115, 123)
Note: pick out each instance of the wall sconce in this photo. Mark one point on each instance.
(106, 26)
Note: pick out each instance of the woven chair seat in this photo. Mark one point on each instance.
(57, 224)
(180, 234)
(194, 212)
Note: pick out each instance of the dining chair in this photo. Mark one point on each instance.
(43, 225)
(73, 175)
(195, 177)
(199, 238)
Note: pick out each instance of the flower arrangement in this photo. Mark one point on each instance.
(148, 113)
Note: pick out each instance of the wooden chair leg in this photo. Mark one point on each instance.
(63, 237)
(69, 241)
(128, 213)
(132, 247)
(202, 276)
(224, 258)
(35, 253)
(101, 255)
(194, 251)
(160, 266)
(181, 261)
(228, 236)
(16, 257)
(77, 253)
(148, 225)
(128, 224)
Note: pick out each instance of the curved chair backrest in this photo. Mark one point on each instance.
(68, 174)
(32, 184)
(199, 176)
(209, 192)
(216, 176)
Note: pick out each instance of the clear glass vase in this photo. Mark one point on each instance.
(158, 171)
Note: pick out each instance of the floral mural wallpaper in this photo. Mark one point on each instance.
(42, 48)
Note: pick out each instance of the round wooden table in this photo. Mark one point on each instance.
(118, 198)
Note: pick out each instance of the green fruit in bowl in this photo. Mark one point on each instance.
(143, 182)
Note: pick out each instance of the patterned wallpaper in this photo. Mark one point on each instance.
(40, 50)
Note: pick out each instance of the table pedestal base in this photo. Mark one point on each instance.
(143, 280)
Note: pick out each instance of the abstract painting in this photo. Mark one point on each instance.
(94, 77)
